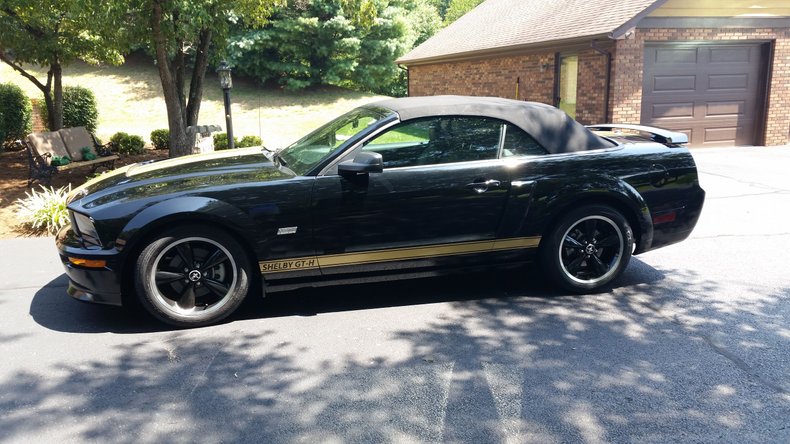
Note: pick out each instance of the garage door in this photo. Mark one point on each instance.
(712, 92)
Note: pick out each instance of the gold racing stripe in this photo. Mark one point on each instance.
(396, 254)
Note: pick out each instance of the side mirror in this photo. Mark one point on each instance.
(363, 163)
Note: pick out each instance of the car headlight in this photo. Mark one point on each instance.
(86, 230)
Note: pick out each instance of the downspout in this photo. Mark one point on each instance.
(408, 82)
(608, 55)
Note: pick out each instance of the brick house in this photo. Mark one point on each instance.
(718, 70)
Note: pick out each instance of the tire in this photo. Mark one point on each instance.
(589, 248)
(192, 276)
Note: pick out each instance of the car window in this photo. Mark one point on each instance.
(519, 143)
(309, 151)
(438, 140)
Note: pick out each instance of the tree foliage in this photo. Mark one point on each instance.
(424, 19)
(457, 8)
(54, 33)
(318, 42)
(185, 36)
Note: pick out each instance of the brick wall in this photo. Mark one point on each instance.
(627, 70)
(488, 77)
(777, 128)
(590, 87)
(497, 76)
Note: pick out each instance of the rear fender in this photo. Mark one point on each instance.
(606, 190)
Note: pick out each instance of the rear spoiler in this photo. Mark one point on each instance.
(662, 136)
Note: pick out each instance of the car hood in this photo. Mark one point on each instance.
(186, 174)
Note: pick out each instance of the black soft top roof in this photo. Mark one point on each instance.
(550, 126)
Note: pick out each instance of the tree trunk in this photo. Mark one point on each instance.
(179, 68)
(56, 117)
(198, 76)
(179, 143)
(50, 104)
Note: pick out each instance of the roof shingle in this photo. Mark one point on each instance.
(496, 24)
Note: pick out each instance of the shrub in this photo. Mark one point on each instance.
(127, 143)
(44, 211)
(221, 141)
(15, 113)
(161, 139)
(79, 108)
(248, 141)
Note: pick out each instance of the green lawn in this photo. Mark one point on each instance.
(130, 100)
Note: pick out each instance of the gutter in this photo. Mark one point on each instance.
(408, 83)
(607, 87)
(503, 51)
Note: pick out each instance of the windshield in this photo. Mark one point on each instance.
(303, 155)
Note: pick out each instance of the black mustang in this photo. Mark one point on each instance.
(415, 186)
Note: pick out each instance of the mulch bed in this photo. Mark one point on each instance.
(13, 185)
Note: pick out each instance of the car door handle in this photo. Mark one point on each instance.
(481, 186)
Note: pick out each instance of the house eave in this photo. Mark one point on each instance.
(503, 51)
(622, 30)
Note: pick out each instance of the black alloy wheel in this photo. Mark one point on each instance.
(589, 248)
(192, 276)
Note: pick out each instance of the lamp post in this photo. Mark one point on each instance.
(226, 82)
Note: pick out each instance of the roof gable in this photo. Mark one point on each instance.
(501, 24)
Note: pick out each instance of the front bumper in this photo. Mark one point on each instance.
(89, 284)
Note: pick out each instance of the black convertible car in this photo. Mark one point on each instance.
(413, 186)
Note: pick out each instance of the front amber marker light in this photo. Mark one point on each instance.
(90, 263)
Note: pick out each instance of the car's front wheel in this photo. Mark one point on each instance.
(590, 247)
(192, 276)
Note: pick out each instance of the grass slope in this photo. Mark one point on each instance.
(130, 100)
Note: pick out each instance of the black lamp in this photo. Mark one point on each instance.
(226, 82)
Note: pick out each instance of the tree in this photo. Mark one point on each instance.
(322, 43)
(424, 19)
(441, 6)
(303, 45)
(457, 8)
(54, 33)
(398, 28)
(184, 35)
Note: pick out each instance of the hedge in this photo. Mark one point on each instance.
(221, 141)
(15, 113)
(79, 108)
(127, 144)
(248, 141)
(160, 139)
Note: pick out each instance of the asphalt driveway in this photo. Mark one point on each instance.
(693, 345)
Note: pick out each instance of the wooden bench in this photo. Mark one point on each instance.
(67, 142)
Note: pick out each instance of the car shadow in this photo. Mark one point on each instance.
(53, 309)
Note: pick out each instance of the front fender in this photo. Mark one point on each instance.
(184, 209)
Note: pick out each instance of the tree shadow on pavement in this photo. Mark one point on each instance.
(508, 361)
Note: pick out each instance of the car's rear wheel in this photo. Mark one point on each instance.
(192, 276)
(590, 247)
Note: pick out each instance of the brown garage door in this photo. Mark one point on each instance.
(712, 92)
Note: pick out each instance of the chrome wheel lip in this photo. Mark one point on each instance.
(170, 305)
(614, 264)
